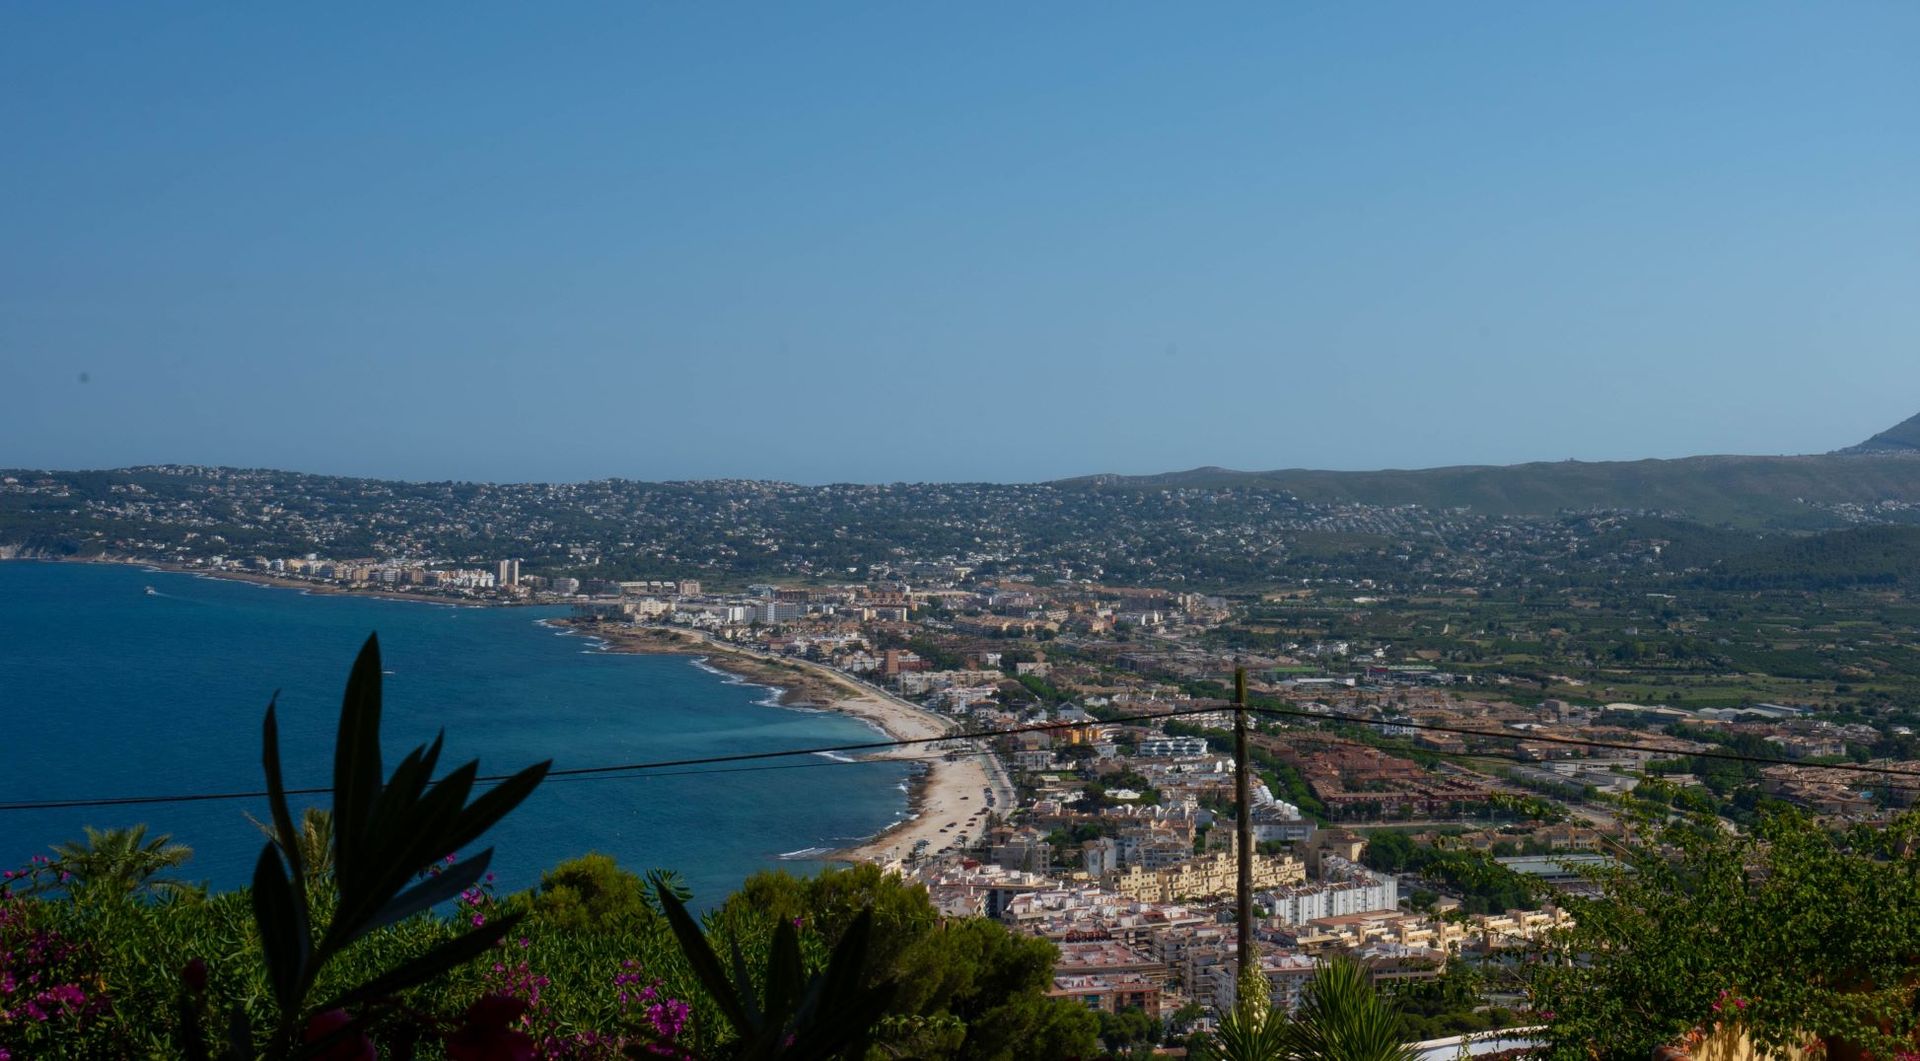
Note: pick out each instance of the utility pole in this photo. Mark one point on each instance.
(1243, 825)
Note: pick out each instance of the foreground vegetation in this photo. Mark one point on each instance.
(365, 934)
(1792, 933)
(336, 950)
(591, 968)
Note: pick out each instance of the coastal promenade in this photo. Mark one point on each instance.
(948, 802)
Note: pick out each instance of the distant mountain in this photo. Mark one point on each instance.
(1903, 437)
(1797, 493)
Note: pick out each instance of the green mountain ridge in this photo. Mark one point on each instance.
(1777, 492)
(1751, 492)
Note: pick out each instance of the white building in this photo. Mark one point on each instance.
(1349, 889)
(1172, 747)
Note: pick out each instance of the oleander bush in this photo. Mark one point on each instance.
(111, 969)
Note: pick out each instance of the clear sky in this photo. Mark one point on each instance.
(885, 241)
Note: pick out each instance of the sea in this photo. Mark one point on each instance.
(121, 681)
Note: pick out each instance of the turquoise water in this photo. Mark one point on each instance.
(106, 690)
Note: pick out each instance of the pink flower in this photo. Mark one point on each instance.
(487, 1033)
(495, 1010)
(352, 1046)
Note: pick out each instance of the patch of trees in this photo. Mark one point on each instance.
(1483, 885)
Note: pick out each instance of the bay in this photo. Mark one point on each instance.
(108, 691)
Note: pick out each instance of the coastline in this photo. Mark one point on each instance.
(945, 799)
(276, 581)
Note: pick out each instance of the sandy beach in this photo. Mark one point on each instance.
(949, 798)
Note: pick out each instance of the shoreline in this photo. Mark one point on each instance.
(945, 797)
(318, 589)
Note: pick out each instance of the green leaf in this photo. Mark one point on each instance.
(706, 964)
(404, 787)
(402, 838)
(283, 941)
(239, 1035)
(843, 1031)
(847, 966)
(491, 806)
(436, 889)
(356, 761)
(444, 957)
(785, 976)
(410, 834)
(669, 880)
(277, 802)
(192, 1038)
(749, 999)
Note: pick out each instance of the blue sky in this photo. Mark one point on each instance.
(887, 241)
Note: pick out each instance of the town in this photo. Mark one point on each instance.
(1455, 717)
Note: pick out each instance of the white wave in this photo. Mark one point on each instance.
(837, 757)
(774, 692)
(805, 852)
(726, 677)
(802, 708)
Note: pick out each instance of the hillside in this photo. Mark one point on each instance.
(1862, 556)
(1780, 492)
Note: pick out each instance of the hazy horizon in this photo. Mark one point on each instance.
(868, 244)
(886, 482)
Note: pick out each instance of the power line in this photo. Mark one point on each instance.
(878, 760)
(617, 769)
(680, 766)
